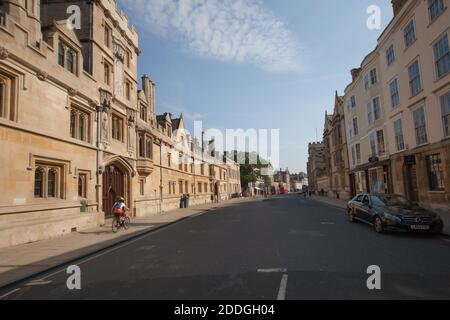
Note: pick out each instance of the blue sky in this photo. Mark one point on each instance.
(254, 64)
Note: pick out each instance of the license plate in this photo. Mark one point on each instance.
(420, 227)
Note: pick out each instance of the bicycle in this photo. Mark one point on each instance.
(119, 222)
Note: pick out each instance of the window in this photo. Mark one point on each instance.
(128, 90)
(48, 181)
(128, 58)
(61, 54)
(107, 72)
(409, 34)
(445, 107)
(82, 185)
(2, 17)
(70, 63)
(435, 8)
(199, 187)
(8, 103)
(373, 77)
(142, 187)
(107, 36)
(51, 183)
(442, 56)
(141, 147)
(143, 113)
(67, 57)
(390, 55)
(370, 112)
(353, 156)
(380, 143)
(169, 160)
(180, 187)
(420, 126)
(373, 144)
(355, 126)
(202, 169)
(415, 83)
(79, 124)
(149, 149)
(366, 82)
(435, 172)
(376, 108)
(117, 128)
(39, 183)
(358, 153)
(395, 97)
(353, 101)
(2, 96)
(398, 132)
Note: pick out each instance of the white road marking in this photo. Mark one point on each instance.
(38, 283)
(283, 287)
(9, 293)
(279, 270)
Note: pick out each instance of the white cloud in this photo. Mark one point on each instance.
(241, 31)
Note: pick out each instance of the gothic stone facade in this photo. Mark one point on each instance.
(77, 130)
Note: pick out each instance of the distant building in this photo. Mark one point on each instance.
(316, 166)
(336, 154)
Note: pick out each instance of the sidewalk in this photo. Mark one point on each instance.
(20, 262)
(343, 205)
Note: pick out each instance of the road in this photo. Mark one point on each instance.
(284, 248)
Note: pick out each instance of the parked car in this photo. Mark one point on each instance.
(390, 212)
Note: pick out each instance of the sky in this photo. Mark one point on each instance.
(254, 64)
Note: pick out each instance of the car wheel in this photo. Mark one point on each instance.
(351, 216)
(378, 225)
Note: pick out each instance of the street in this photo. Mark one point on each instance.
(283, 248)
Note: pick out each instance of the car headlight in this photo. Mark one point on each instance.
(391, 217)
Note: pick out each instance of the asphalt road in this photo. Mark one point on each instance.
(288, 248)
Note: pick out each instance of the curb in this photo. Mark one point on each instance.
(134, 236)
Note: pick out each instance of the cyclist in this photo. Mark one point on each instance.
(119, 208)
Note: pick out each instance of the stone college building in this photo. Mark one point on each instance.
(76, 131)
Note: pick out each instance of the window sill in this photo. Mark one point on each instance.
(436, 191)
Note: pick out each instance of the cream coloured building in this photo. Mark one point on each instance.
(77, 130)
(412, 156)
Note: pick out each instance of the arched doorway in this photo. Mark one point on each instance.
(114, 184)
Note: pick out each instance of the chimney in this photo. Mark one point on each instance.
(397, 5)
(355, 73)
(146, 86)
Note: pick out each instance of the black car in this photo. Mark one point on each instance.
(390, 212)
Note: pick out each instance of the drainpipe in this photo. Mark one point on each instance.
(97, 169)
(160, 177)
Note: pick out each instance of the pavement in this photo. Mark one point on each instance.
(282, 248)
(343, 204)
(20, 262)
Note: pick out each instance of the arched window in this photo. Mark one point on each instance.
(51, 183)
(72, 124)
(70, 60)
(61, 54)
(39, 183)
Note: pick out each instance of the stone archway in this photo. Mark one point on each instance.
(116, 182)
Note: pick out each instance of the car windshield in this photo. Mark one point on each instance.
(392, 201)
